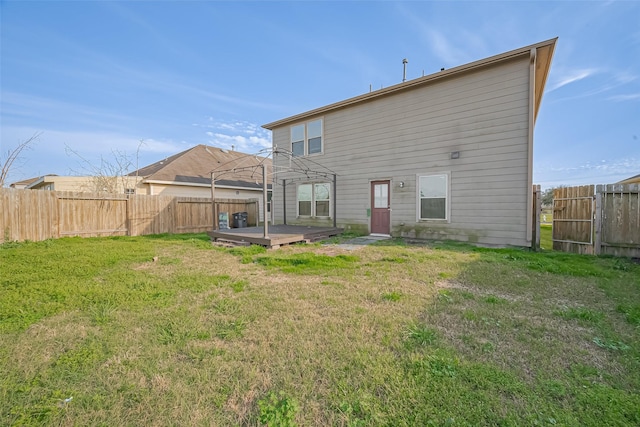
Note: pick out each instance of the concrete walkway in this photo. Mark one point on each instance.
(360, 242)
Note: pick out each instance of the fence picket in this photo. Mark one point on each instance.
(611, 226)
(39, 215)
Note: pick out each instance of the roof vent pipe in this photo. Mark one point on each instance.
(404, 69)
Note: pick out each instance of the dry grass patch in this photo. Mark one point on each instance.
(312, 335)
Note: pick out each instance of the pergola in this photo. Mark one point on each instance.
(286, 168)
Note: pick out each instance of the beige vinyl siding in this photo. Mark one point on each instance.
(180, 190)
(70, 183)
(205, 192)
(483, 114)
(84, 183)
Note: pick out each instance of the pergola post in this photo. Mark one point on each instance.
(284, 201)
(265, 201)
(334, 201)
(213, 202)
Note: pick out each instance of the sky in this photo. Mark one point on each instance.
(143, 80)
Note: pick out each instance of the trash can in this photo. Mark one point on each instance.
(240, 219)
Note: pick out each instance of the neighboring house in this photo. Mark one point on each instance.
(445, 156)
(99, 184)
(188, 174)
(632, 180)
(21, 185)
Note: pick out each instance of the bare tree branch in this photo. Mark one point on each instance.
(107, 175)
(9, 160)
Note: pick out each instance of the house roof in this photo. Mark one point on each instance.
(543, 55)
(27, 182)
(194, 166)
(631, 180)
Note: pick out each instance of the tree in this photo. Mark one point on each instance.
(547, 195)
(13, 157)
(109, 175)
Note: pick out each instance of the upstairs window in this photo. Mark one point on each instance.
(433, 196)
(306, 138)
(314, 137)
(314, 200)
(297, 140)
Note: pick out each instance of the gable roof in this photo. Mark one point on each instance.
(25, 183)
(543, 55)
(194, 166)
(630, 180)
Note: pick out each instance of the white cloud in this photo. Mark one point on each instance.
(628, 97)
(31, 108)
(444, 49)
(571, 76)
(589, 172)
(624, 77)
(237, 135)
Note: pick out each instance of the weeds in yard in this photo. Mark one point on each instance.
(277, 409)
(417, 335)
(610, 345)
(247, 253)
(102, 312)
(342, 237)
(580, 313)
(631, 313)
(307, 263)
(492, 299)
(392, 296)
(229, 330)
(393, 334)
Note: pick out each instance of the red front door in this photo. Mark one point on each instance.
(380, 207)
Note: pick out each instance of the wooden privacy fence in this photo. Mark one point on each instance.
(603, 219)
(39, 215)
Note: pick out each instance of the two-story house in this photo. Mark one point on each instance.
(444, 156)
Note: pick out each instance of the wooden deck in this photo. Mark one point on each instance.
(278, 235)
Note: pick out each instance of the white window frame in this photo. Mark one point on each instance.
(447, 209)
(269, 200)
(306, 137)
(314, 200)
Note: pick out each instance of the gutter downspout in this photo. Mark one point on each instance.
(532, 115)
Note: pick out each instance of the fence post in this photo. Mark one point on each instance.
(58, 210)
(257, 208)
(597, 225)
(128, 215)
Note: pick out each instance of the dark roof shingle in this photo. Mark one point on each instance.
(195, 165)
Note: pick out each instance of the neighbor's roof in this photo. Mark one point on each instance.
(544, 53)
(26, 182)
(194, 166)
(631, 180)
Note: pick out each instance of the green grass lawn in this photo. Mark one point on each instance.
(169, 330)
(546, 241)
